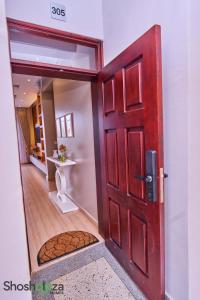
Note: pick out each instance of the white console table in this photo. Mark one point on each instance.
(60, 197)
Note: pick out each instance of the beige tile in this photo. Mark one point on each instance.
(96, 280)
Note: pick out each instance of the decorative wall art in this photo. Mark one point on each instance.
(69, 125)
(58, 128)
(65, 126)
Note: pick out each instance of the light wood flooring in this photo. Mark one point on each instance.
(43, 219)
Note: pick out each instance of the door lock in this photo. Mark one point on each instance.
(151, 178)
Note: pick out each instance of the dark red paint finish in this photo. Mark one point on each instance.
(114, 225)
(133, 81)
(138, 243)
(130, 101)
(112, 162)
(109, 101)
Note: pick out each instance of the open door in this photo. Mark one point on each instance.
(131, 139)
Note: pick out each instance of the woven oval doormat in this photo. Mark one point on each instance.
(63, 244)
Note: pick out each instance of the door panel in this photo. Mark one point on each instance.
(133, 85)
(109, 100)
(112, 158)
(135, 153)
(122, 145)
(114, 226)
(138, 242)
(130, 125)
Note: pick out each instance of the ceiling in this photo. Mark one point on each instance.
(25, 89)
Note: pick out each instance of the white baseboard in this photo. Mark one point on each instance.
(37, 163)
(87, 213)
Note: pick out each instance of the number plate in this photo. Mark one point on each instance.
(58, 11)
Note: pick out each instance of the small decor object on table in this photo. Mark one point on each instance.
(62, 152)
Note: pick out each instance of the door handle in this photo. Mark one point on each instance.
(150, 178)
(147, 178)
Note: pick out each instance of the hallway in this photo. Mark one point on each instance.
(43, 219)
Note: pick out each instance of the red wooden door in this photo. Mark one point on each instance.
(131, 89)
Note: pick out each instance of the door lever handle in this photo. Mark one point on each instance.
(147, 178)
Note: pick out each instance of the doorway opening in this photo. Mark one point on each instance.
(53, 79)
(51, 114)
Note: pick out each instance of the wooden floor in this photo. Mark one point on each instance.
(44, 220)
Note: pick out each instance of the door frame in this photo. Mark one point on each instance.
(50, 70)
(55, 71)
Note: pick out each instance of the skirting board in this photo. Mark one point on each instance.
(37, 163)
(64, 206)
(92, 219)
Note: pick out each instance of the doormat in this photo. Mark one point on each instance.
(63, 244)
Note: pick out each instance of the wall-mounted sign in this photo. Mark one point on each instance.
(58, 11)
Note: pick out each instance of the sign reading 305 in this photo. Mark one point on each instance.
(58, 11)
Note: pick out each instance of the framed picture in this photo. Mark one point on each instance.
(69, 125)
(58, 128)
(63, 127)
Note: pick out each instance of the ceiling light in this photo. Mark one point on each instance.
(29, 80)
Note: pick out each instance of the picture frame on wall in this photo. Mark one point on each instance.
(69, 125)
(58, 129)
(63, 127)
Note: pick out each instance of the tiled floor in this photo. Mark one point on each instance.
(91, 273)
(97, 280)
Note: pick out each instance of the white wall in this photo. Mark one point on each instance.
(81, 20)
(14, 257)
(82, 16)
(194, 152)
(75, 97)
(124, 21)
